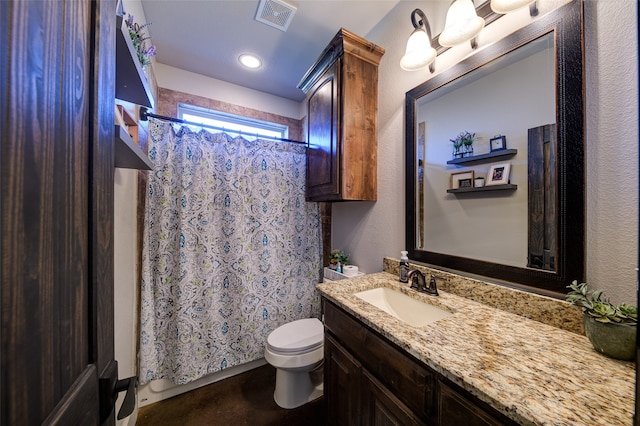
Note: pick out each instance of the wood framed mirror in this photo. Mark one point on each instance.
(519, 234)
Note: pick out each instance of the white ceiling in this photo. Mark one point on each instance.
(207, 36)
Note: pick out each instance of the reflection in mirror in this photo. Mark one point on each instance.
(522, 99)
(482, 102)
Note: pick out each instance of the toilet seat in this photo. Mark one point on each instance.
(297, 337)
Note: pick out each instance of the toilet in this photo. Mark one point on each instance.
(296, 350)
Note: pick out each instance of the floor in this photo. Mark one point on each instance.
(245, 399)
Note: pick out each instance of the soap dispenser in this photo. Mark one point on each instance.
(404, 267)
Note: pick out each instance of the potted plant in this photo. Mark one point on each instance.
(464, 139)
(139, 40)
(337, 260)
(610, 328)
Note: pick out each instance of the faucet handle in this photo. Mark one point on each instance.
(434, 278)
(433, 287)
(414, 279)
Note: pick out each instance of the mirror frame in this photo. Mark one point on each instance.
(567, 24)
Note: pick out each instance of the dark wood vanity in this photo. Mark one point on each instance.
(371, 381)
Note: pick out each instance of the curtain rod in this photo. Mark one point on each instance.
(145, 114)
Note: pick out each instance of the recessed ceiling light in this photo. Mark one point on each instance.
(250, 61)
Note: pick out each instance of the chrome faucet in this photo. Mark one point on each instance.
(419, 282)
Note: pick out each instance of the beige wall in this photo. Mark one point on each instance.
(196, 84)
(125, 277)
(371, 231)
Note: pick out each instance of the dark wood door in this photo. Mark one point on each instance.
(457, 409)
(323, 167)
(542, 147)
(342, 375)
(56, 189)
(380, 407)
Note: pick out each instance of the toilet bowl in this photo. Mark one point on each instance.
(296, 349)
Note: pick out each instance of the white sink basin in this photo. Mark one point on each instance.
(403, 307)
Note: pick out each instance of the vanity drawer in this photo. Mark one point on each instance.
(406, 378)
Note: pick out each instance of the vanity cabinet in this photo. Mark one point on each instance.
(356, 396)
(381, 407)
(342, 120)
(456, 408)
(370, 381)
(344, 373)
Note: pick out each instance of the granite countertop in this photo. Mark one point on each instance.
(534, 373)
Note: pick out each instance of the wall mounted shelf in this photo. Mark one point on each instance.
(508, 187)
(484, 157)
(131, 82)
(128, 154)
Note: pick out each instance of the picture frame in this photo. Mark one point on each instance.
(498, 174)
(497, 143)
(462, 179)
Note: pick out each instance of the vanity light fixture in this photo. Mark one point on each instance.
(506, 6)
(462, 24)
(419, 53)
(250, 61)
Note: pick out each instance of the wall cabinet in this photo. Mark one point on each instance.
(342, 120)
(370, 381)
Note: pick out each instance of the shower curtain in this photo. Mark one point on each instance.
(231, 250)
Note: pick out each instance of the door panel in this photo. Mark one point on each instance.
(323, 167)
(56, 190)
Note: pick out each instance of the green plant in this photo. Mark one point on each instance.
(464, 138)
(338, 256)
(601, 310)
(139, 41)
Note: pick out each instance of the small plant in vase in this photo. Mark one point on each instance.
(610, 328)
(140, 41)
(463, 144)
(337, 260)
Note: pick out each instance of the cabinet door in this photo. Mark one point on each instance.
(381, 407)
(456, 409)
(342, 375)
(410, 382)
(323, 158)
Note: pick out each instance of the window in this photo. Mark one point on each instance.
(247, 127)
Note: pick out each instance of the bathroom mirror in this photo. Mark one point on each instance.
(523, 98)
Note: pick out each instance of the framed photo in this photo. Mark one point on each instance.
(498, 174)
(497, 143)
(462, 179)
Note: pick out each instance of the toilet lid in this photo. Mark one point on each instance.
(297, 336)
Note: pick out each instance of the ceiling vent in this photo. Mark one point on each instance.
(275, 13)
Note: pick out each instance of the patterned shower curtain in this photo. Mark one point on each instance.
(231, 250)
